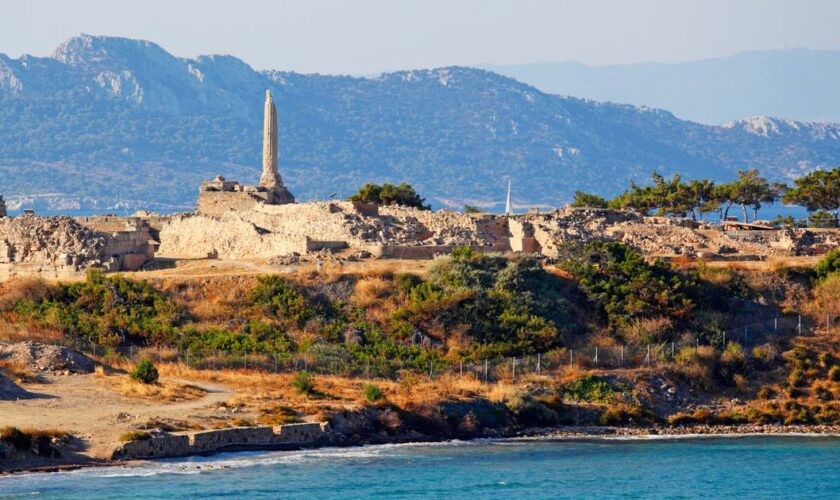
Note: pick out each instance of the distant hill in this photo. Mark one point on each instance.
(118, 124)
(796, 84)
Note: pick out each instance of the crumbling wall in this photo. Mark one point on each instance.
(176, 445)
(53, 247)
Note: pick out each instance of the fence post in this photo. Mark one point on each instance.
(799, 325)
(596, 355)
(724, 340)
(485, 369)
(775, 325)
(462, 368)
(673, 349)
(647, 356)
(431, 368)
(539, 363)
(827, 324)
(571, 356)
(513, 377)
(622, 355)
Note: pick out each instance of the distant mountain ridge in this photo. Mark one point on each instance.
(788, 83)
(112, 123)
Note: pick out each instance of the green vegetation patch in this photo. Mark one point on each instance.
(591, 388)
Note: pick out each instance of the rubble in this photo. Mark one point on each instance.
(46, 358)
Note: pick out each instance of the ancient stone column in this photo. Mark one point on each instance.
(270, 178)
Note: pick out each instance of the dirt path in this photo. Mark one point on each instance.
(83, 406)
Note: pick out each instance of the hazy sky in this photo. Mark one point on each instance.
(368, 36)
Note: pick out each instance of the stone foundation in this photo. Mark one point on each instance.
(171, 445)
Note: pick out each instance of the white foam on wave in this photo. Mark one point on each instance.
(236, 460)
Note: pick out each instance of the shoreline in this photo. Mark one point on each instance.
(561, 433)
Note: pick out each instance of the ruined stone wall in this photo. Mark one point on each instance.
(52, 247)
(219, 203)
(176, 445)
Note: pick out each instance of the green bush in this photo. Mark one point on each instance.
(588, 200)
(829, 264)
(106, 309)
(145, 372)
(304, 383)
(389, 194)
(280, 299)
(623, 286)
(589, 388)
(373, 393)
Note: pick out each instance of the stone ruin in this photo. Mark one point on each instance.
(232, 221)
(219, 195)
(2, 206)
(61, 247)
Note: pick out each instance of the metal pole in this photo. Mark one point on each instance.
(596, 355)
(485, 369)
(799, 325)
(539, 362)
(775, 326)
(571, 356)
(672, 350)
(514, 369)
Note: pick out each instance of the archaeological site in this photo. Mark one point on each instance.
(239, 222)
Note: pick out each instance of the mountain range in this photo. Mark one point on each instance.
(117, 124)
(796, 84)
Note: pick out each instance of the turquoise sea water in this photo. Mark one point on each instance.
(748, 467)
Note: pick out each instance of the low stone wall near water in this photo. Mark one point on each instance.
(176, 445)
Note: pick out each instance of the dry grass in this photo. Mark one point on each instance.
(163, 391)
(19, 372)
(17, 289)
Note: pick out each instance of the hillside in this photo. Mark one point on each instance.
(789, 83)
(110, 123)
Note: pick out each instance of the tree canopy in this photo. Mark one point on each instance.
(819, 190)
(389, 194)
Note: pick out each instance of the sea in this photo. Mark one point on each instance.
(708, 467)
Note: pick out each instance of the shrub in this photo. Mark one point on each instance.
(389, 194)
(135, 436)
(589, 388)
(304, 383)
(764, 392)
(829, 264)
(796, 378)
(373, 393)
(588, 200)
(529, 411)
(40, 441)
(624, 414)
(623, 286)
(105, 309)
(279, 298)
(834, 373)
(700, 416)
(145, 372)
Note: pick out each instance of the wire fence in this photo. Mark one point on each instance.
(330, 360)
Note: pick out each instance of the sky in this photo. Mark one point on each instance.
(369, 36)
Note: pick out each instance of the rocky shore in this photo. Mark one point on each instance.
(543, 433)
